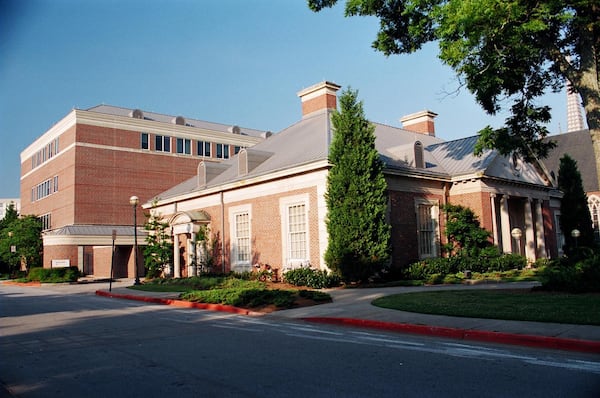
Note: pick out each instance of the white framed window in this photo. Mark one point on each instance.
(163, 143)
(203, 148)
(240, 228)
(295, 230)
(427, 227)
(222, 151)
(145, 141)
(184, 146)
(594, 205)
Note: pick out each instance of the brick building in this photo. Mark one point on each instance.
(266, 205)
(79, 175)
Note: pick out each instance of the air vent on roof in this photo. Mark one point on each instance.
(234, 130)
(179, 120)
(136, 114)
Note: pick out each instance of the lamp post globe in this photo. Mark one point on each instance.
(134, 201)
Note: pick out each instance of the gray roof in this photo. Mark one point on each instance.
(158, 117)
(308, 141)
(96, 230)
(456, 157)
(578, 145)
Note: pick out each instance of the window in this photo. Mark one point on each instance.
(297, 232)
(46, 221)
(241, 251)
(242, 237)
(145, 141)
(163, 143)
(184, 145)
(222, 151)
(560, 238)
(427, 228)
(236, 149)
(594, 205)
(203, 148)
(293, 211)
(44, 189)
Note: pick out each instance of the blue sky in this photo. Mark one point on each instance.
(229, 61)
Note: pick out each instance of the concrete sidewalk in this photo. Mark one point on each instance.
(353, 307)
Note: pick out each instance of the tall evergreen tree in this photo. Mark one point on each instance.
(574, 210)
(359, 235)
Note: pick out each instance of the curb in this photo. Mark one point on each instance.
(180, 303)
(557, 343)
(24, 284)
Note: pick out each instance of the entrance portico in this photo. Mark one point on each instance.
(187, 231)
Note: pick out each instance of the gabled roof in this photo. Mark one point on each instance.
(578, 145)
(456, 157)
(162, 118)
(307, 142)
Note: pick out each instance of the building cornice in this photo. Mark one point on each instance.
(161, 128)
(60, 127)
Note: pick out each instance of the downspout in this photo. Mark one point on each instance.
(222, 233)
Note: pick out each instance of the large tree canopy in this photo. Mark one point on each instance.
(506, 52)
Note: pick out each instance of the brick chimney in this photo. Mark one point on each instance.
(318, 97)
(420, 122)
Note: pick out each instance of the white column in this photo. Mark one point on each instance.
(529, 234)
(494, 223)
(505, 225)
(539, 230)
(193, 258)
(176, 262)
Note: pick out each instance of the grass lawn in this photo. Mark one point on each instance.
(521, 305)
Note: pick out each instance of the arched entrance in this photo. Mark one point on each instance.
(188, 231)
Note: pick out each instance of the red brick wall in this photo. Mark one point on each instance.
(326, 101)
(481, 205)
(62, 252)
(403, 219)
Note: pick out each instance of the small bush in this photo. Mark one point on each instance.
(577, 277)
(53, 275)
(242, 297)
(312, 278)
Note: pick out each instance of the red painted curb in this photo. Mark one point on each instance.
(557, 343)
(179, 303)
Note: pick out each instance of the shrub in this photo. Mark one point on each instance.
(54, 275)
(572, 276)
(313, 278)
(243, 297)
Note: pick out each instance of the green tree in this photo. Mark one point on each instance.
(158, 252)
(465, 235)
(21, 242)
(10, 215)
(504, 52)
(574, 210)
(359, 236)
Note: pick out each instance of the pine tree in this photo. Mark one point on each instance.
(359, 235)
(574, 210)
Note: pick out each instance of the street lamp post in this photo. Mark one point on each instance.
(575, 234)
(134, 201)
(517, 234)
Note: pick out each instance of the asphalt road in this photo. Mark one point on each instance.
(71, 343)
